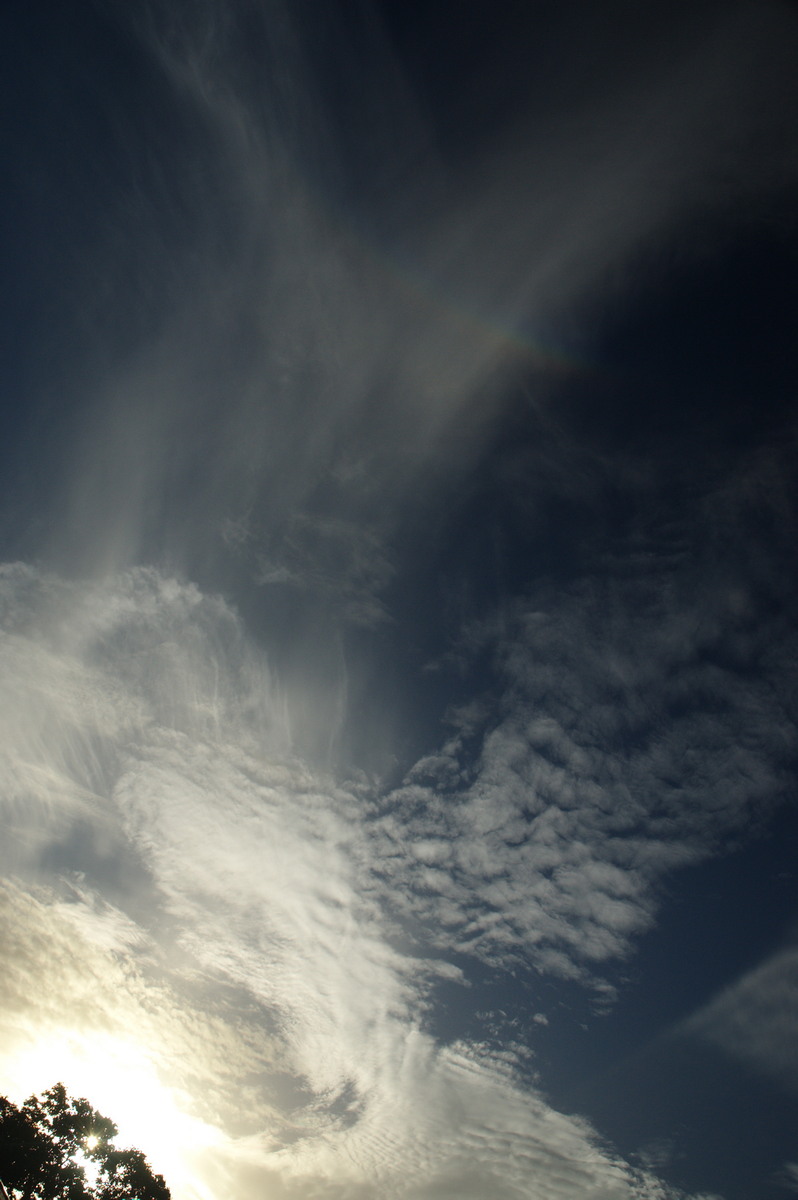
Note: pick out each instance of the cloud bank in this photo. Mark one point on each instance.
(205, 913)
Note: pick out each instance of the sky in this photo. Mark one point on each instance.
(398, 527)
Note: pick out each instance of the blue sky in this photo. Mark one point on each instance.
(398, 593)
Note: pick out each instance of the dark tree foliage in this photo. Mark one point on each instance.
(43, 1141)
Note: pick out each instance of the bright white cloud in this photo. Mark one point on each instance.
(248, 993)
(86, 998)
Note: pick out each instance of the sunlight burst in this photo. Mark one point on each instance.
(119, 1078)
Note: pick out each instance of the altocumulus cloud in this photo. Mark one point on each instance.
(254, 906)
(628, 740)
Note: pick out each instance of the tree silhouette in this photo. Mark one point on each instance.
(43, 1142)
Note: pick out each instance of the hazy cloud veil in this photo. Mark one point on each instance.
(377, 647)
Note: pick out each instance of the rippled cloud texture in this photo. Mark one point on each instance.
(398, 595)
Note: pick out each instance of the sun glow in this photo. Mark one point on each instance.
(119, 1078)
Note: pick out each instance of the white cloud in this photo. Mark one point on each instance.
(322, 380)
(245, 988)
(621, 751)
(254, 922)
(755, 1019)
(788, 1177)
(86, 997)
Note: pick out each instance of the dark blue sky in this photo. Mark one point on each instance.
(398, 484)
